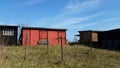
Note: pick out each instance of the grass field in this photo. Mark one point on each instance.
(74, 57)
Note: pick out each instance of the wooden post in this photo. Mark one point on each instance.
(90, 40)
(61, 48)
(47, 43)
(47, 47)
(26, 46)
(1, 48)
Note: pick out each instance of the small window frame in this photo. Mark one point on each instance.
(8, 32)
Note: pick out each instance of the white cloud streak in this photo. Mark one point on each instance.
(78, 7)
(82, 25)
(93, 24)
(74, 20)
(111, 19)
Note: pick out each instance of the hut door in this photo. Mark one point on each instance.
(43, 37)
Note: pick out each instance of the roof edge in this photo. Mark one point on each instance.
(99, 30)
(10, 25)
(43, 28)
(91, 31)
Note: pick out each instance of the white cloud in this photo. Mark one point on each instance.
(74, 20)
(82, 25)
(111, 19)
(77, 6)
(95, 23)
(33, 2)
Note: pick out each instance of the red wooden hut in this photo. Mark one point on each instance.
(35, 36)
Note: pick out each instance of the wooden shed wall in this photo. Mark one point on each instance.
(89, 37)
(63, 34)
(110, 39)
(53, 37)
(6, 39)
(85, 37)
(26, 33)
(35, 35)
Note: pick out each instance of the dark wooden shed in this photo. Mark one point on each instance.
(89, 37)
(8, 34)
(110, 39)
(37, 36)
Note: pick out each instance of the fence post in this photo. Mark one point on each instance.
(1, 48)
(47, 46)
(90, 40)
(61, 48)
(26, 46)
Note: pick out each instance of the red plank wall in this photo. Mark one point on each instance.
(63, 34)
(52, 37)
(42, 35)
(24, 33)
(35, 35)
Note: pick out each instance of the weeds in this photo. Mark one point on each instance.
(74, 57)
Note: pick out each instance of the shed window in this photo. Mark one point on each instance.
(8, 32)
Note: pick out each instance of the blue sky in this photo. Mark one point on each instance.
(74, 15)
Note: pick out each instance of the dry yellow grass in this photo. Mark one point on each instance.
(74, 57)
